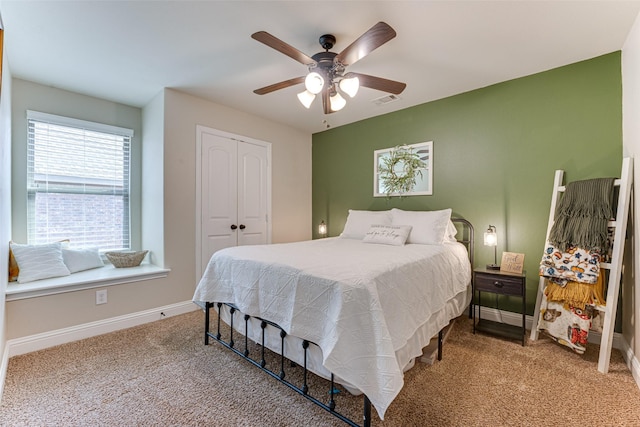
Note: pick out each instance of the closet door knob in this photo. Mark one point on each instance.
(242, 227)
(233, 226)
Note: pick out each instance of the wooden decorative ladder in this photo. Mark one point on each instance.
(615, 266)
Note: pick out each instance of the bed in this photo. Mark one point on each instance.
(362, 305)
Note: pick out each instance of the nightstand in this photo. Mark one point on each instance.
(501, 283)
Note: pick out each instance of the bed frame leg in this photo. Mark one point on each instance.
(367, 412)
(207, 306)
(440, 337)
(332, 390)
(283, 334)
(305, 386)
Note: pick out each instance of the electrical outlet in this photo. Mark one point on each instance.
(101, 296)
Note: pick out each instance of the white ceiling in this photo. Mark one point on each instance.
(127, 51)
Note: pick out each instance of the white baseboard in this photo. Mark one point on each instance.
(632, 362)
(44, 340)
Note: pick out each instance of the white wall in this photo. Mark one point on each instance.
(172, 118)
(291, 169)
(5, 203)
(631, 147)
(153, 179)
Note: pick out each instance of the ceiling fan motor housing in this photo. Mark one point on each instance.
(325, 65)
(327, 41)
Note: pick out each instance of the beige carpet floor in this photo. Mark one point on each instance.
(161, 374)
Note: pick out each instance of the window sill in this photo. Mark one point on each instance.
(96, 278)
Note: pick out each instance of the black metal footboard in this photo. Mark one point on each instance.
(281, 376)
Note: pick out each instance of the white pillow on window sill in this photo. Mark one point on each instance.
(39, 261)
(82, 259)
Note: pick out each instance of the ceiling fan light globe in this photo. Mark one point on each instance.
(314, 82)
(350, 86)
(337, 102)
(306, 98)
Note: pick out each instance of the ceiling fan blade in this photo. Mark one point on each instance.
(280, 85)
(378, 83)
(375, 37)
(282, 47)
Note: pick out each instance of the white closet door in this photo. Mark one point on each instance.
(252, 194)
(234, 193)
(219, 194)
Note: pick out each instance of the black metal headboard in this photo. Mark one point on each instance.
(465, 235)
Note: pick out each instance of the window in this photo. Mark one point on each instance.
(77, 182)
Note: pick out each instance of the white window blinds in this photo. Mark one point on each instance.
(77, 182)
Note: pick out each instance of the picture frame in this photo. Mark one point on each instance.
(424, 181)
(512, 262)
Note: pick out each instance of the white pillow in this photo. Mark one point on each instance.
(394, 235)
(39, 261)
(81, 259)
(450, 234)
(428, 227)
(359, 222)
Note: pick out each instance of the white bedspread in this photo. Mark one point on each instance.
(358, 302)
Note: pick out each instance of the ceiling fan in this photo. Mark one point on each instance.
(327, 70)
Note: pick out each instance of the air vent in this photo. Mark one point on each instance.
(386, 99)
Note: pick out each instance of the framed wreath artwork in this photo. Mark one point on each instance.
(404, 170)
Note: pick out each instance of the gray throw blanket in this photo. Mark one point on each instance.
(582, 214)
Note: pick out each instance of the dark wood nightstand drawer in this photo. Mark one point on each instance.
(503, 285)
(499, 283)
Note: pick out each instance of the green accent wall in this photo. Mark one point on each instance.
(495, 152)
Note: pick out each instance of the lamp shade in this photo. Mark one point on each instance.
(350, 86)
(306, 98)
(314, 82)
(491, 239)
(337, 102)
(490, 236)
(322, 228)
